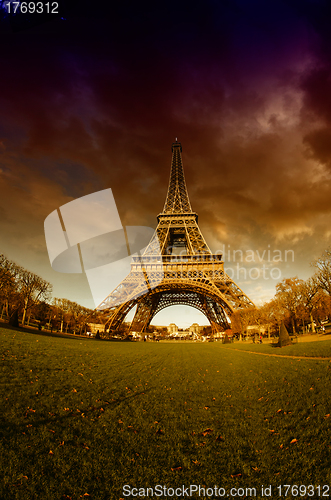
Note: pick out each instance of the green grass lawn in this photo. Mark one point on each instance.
(322, 349)
(82, 418)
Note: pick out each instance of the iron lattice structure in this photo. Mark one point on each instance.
(177, 267)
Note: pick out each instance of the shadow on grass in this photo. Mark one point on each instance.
(46, 333)
(43, 333)
(7, 428)
(277, 344)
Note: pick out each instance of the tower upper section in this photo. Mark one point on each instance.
(177, 200)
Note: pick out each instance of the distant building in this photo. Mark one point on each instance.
(94, 327)
(195, 328)
(172, 329)
(256, 329)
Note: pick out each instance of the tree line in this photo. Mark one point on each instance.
(26, 298)
(301, 304)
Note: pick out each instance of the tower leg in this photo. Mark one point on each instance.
(144, 314)
(215, 315)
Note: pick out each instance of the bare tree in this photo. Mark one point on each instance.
(272, 314)
(64, 308)
(288, 293)
(71, 313)
(32, 289)
(241, 318)
(323, 271)
(9, 284)
(310, 295)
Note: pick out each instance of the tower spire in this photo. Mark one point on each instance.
(177, 200)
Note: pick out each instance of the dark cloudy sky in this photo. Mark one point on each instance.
(95, 100)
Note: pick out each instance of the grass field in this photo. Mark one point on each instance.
(81, 418)
(322, 348)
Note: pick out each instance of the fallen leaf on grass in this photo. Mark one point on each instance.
(293, 441)
(29, 410)
(206, 407)
(196, 462)
(159, 431)
(220, 438)
(20, 477)
(235, 475)
(50, 452)
(278, 411)
(175, 468)
(206, 432)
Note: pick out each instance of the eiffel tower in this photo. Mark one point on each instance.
(177, 267)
